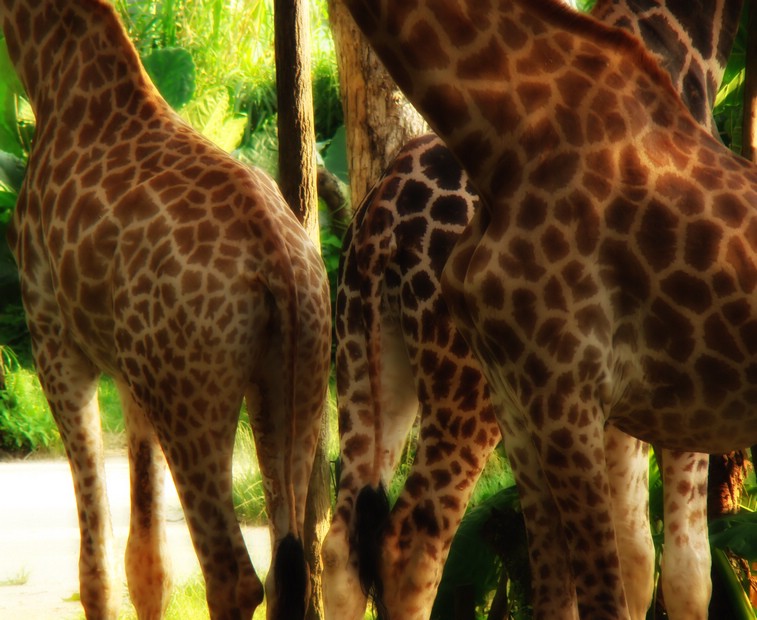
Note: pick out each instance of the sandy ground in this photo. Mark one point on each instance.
(39, 537)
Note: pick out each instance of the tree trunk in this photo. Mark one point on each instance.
(294, 92)
(726, 475)
(297, 179)
(377, 117)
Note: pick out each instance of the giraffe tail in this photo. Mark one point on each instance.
(290, 566)
(372, 504)
(371, 517)
(291, 579)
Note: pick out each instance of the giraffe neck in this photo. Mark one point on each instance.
(67, 53)
(691, 41)
(492, 76)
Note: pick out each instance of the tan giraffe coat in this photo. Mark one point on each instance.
(474, 105)
(147, 253)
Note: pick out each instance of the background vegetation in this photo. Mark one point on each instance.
(213, 61)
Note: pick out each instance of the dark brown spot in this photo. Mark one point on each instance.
(687, 291)
(657, 236)
(702, 244)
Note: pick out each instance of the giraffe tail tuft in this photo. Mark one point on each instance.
(371, 517)
(291, 575)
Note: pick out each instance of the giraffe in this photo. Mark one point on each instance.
(485, 132)
(403, 233)
(391, 358)
(147, 253)
(419, 208)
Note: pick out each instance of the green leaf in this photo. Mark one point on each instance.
(737, 533)
(12, 169)
(335, 158)
(741, 607)
(730, 93)
(172, 70)
(10, 89)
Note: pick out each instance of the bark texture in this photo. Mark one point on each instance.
(378, 118)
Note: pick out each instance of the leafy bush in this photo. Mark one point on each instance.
(26, 424)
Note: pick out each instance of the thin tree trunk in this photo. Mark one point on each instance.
(294, 92)
(377, 117)
(297, 178)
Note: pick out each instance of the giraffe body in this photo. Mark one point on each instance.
(147, 253)
(400, 239)
(473, 113)
(397, 353)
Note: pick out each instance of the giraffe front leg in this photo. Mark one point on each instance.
(70, 384)
(628, 471)
(686, 590)
(575, 467)
(553, 587)
(148, 570)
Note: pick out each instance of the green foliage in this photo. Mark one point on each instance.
(209, 114)
(247, 488)
(10, 90)
(473, 561)
(335, 154)
(732, 584)
(172, 70)
(729, 100)
(327, 101)
(25, 421)
(261, 148)
(110, 408)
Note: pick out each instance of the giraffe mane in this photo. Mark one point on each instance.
(589, 28)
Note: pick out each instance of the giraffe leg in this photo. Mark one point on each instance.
(628, 470)
(576, 472)
(367, 470)
(553, 587)
(201, 470)
(426, 516)
(686, 583)
(148, 570)
(70, 384)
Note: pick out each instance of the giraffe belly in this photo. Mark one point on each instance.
(670, 408)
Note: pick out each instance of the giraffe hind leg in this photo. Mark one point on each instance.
(628, 472)
(148, 570)
(201, 467)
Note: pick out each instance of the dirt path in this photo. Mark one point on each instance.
(39, 537)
